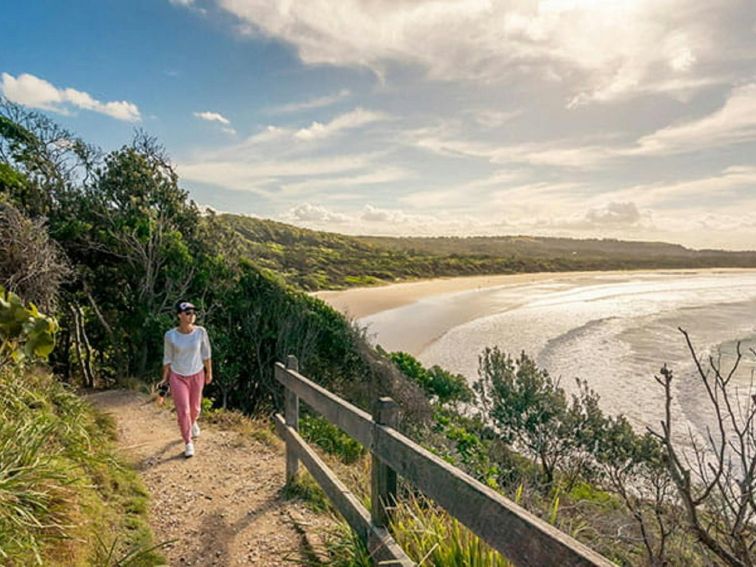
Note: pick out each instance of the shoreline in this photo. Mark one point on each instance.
(359, 302)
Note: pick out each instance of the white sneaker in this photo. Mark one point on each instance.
(195, 430)
(189, 450)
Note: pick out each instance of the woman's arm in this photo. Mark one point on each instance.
(167, 358)
(166, 373)
(208, 363)
(206, 353)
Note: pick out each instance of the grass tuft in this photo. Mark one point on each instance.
(430, 536)
(64, 495)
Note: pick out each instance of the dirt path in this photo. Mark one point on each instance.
(224, 505)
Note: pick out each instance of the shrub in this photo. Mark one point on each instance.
(331, 439)
(61, 485)
(439, 384)
(532, 413)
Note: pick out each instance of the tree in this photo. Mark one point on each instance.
(51, 162)
(715, 478)
(31, 264)
(633, 468)
(136, 246)
(438, 384)
(531, 411)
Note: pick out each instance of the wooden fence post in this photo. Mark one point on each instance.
(383, 478)
(291, 414)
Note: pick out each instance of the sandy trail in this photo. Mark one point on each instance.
(221, 507)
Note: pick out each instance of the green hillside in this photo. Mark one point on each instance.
(320, 260)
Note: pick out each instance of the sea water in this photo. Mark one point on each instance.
(613, 330)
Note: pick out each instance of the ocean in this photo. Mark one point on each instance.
(614, 330)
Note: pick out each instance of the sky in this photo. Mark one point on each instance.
(630, 119)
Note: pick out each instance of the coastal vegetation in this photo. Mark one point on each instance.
(107, 242)
(66, 498)
(315, 260)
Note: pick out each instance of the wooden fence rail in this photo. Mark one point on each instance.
(519, 535)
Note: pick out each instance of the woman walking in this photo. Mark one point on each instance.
(188, 367)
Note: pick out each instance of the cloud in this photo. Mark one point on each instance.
(614, 214)
(606, 50)
(258, 176)
(384, 174)
(369, 219)
(309, 213)
(733, 123)
(551, 153)
(493, 118)
(350, 120)
(373, 214)
(212, 117)
(311, 104)
(34, 92)
(217, 117)
(720, 188)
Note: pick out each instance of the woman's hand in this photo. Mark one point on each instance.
(208, 378)
(162, 391)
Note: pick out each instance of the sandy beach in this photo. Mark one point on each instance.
(361, 302)
(612, 328)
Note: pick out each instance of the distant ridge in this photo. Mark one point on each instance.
(316, 260)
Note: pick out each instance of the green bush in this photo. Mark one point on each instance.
(25, 333)
(439, 384)
(331, 439)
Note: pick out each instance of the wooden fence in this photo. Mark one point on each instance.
(520, 536)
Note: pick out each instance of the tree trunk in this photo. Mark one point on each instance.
(87, 350)
(77, 344)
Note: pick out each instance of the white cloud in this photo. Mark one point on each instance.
(319, 102)
(606, 49)
(463, 194)
(350, 120)
(410, 222)
(307, 212)
(256, 176)
(733, 123)
(494, 118)
(212, 117)
(385, 174)
(561, 154)
(34, 92)
(614, 214)
(219, 118)
(718, 187)
(368, 220)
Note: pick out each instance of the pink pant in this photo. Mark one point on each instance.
(187, 397)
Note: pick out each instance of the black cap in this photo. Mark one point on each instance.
(183, 305)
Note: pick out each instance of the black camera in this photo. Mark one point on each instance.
(163, 390)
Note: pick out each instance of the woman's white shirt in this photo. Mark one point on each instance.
(185, 352)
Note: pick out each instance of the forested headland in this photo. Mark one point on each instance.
(97, 246)
(316, 260)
